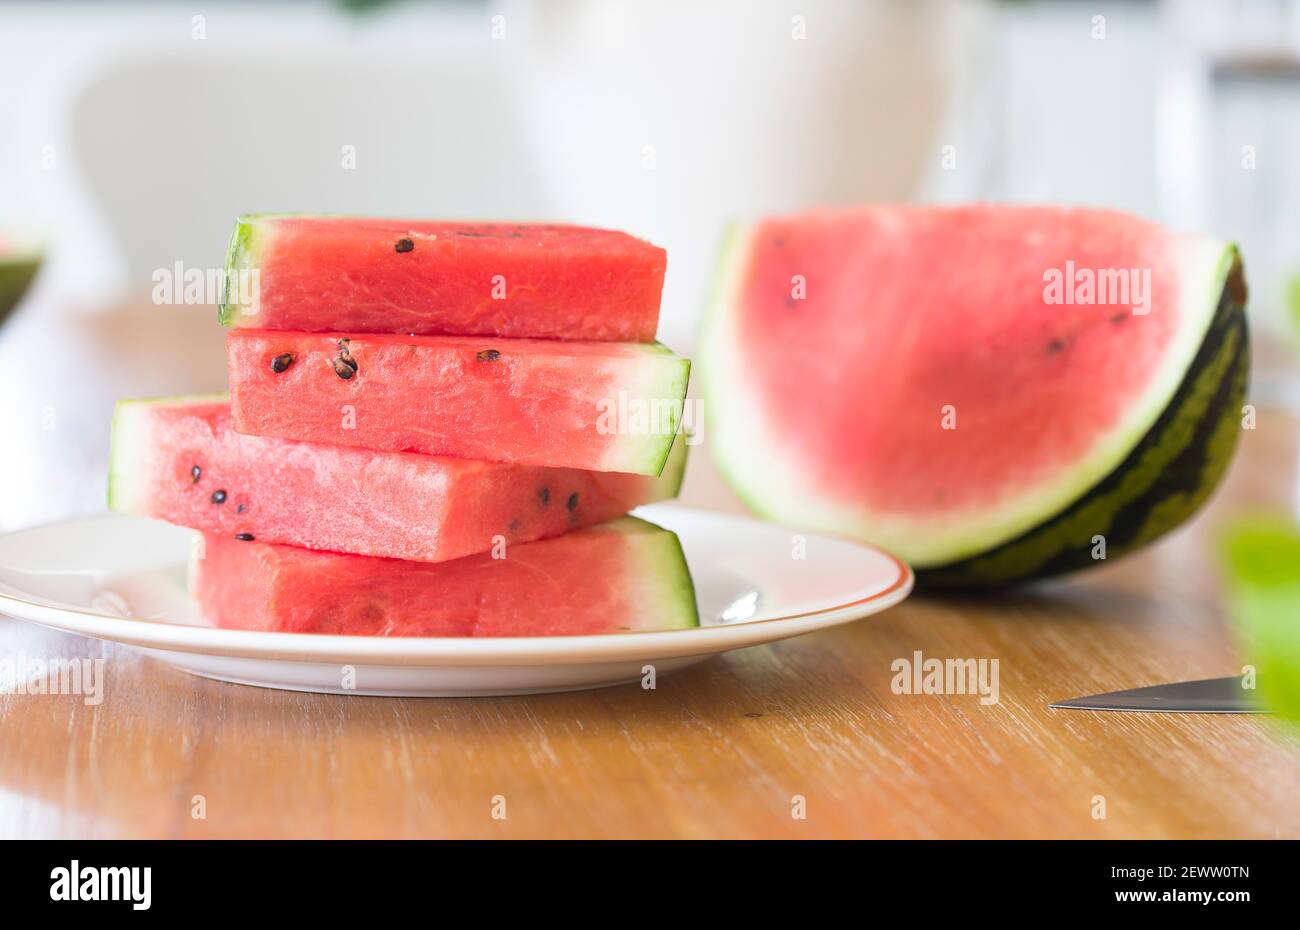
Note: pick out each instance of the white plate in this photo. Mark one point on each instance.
(123, 579)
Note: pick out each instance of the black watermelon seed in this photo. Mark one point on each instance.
(244, 537)
(345, 368)
(514, 527)
(241, 508)
(218, 497)
(281, 363)
(572, 502)
(488, 355)
(404, 245)
(544, 495)
(194, 474)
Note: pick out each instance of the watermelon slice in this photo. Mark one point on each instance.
(327, 274)
(600, 406)
(625, 575)
(178, 459)
(909, 375)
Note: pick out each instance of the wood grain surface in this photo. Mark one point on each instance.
(724, 749)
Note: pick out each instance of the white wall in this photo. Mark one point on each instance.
(666, 117)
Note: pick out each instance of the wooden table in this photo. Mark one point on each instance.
(719, 750)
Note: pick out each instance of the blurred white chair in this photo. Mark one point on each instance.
(174, 146)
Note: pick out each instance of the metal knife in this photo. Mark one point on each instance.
(1207, 696)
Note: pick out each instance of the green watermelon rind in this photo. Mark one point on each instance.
(667, 571)
(128, 475)
(670, 376)
(244, 251)
(731, 434)
(673, 472)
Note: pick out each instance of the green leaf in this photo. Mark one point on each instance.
(1291, 300)
(1262, 558)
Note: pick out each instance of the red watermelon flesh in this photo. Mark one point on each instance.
(326, 274)
(527, 401)
(179, 460)
(842, 338)
(621, 576)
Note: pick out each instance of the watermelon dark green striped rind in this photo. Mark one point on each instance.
(1166, 478)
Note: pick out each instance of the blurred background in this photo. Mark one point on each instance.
(131, 134)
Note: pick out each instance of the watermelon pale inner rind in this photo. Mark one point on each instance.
(769, 463)
(241, 255)
(132, 448)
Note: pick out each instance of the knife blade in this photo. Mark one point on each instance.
(1206, 696)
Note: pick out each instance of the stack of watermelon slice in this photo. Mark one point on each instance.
(426, 434)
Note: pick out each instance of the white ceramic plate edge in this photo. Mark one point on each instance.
(455, 652)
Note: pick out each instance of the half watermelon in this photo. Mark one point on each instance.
(519, 280)
(995, 393)
(599, 406)
(622, 576)
(179, 459)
